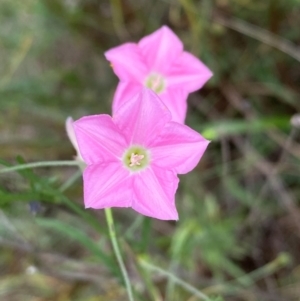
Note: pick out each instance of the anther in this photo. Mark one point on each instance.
(135, 159)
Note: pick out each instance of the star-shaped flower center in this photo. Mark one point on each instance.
(136, 158)
(156, 83)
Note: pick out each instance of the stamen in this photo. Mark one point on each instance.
(135, 159)
(155, 82)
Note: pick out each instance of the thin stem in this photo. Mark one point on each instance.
(249, 279)
(113, 238)
(261, 35)
(183, 284)
(39, 164)
(70, 181)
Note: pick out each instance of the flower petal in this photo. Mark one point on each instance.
(154, 193)
(99, 139)
(71, 135)
(160, 49)
(142, 117)
(127, 62)
(107, 185)
(178, 148)
(188, 72)
(124, 92)
(176, 101)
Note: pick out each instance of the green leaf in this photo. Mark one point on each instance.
(78, 236)
(218, 130)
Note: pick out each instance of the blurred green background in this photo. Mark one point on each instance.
(238, 236)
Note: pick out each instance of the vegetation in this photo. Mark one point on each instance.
(238, 236)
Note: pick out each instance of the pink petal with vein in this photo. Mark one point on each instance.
(127, 62)
(161, 49)
(142, 118)
(178, 148)
(124, 92)
(107, 185)
(99, 139)
(175, 100)
(154, 193)
(188, 73)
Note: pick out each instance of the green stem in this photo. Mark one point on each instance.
(113, 238)
(70, 181)
(183, 284)
(39, 164)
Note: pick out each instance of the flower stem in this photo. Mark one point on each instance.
(39, 164)
(183, 284)
(113, 238)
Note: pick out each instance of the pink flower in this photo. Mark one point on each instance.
(158, 62)
(72, 137)
(133, 158)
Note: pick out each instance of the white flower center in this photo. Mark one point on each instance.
(136, 158)
(156, 82)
